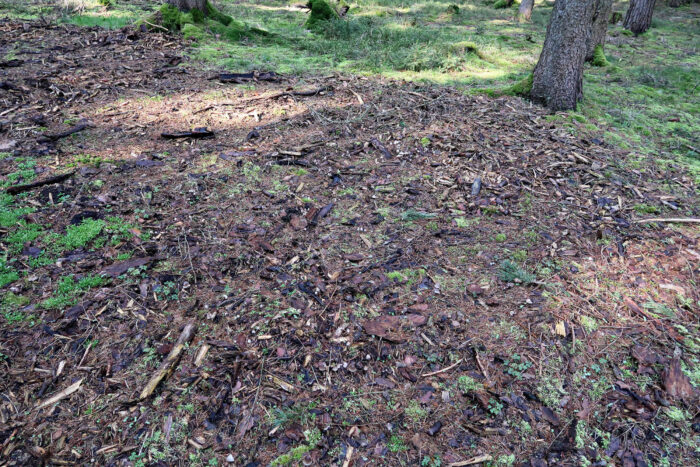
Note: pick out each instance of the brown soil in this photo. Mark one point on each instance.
(339, 270)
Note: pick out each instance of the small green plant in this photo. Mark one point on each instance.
(295, 455)
(495, 407)
(500, 237)
(413, 215)
(519, 256)
(516, 366)
(467, 384)
(463, 222)
(415, 412)
(301, 414)
(396, 444)
(512, 272)
(644, 208)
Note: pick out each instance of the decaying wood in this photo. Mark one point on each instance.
(13, 190)
(74, 129)
(60, 395)
(167, 366)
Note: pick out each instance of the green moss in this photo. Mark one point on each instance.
(170, 17)
(216, 15)
(599, 56)
(197, 15)
(190, 31)
(502, 4)
(78, 236)
(521, 88)
(321, 11)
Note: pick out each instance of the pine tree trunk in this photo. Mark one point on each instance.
(600, 26)
(557, 82)
(638, 17)
(187, 5)
(525, 10)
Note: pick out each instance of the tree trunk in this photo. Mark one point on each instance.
(601, 17)
(187, 5)
(638, 17)
(525, 10)
(557, 81)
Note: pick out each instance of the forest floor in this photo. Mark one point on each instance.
(379, 272)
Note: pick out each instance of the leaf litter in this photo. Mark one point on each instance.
(384, 272)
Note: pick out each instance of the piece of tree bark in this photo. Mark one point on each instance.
(557, 82)
(170, 362)
(187, 5)
(525, 10)
(638, 17)
(599, 28)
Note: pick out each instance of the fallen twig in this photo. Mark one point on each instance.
(310, 92)
(679, 220)
(74, 129)
(60, 395)
(472, 461)
(156, 26)
(167, 366)
(13, 190)
(433, 373)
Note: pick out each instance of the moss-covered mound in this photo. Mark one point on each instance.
(521, 88)
(193, 23)
(503, 4)
(320, 11)
(599, 57)
(466, 47)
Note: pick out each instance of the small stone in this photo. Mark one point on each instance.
(230, 459)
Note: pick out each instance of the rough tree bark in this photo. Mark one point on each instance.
(525, 10)
(601, 17)
(557, 81)
(187, 5)
(638, 17)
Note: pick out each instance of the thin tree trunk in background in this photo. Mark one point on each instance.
(600, 26)
(638, 17)
(557, 82)
(187, 5)
(525, 10)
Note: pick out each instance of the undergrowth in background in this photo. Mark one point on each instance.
(644, 100)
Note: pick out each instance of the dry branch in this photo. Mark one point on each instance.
(170, 361)
(13, 190)
(679, 220)
(60, 395)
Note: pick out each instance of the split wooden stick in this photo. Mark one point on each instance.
(168, 365)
